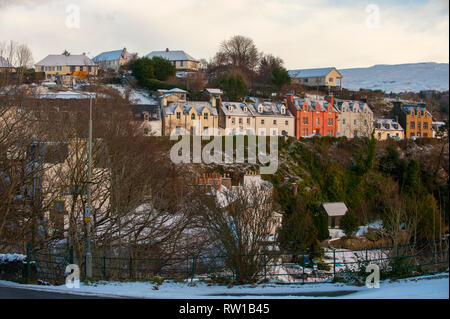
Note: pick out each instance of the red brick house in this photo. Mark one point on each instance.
(313, 117)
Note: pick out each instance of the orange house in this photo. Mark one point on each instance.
(313, 117)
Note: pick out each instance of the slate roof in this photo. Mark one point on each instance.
(387, 125)
(152, 109)
(186, 106)
(179, 55)
(109, 56)
(352, 106)
(310, 105)
(335, 209)
(61, 59)
(420, 107)
(270, 109)
(310, 73)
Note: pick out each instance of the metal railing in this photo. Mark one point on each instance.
(287, 267)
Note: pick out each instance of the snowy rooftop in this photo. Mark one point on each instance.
(335, 209)
(387, 124)
(61, 59)
(111, 55)
(310, 73)
(178, 55)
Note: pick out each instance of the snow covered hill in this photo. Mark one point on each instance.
(399, 77)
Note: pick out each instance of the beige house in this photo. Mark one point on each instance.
(113, 60)
(236, 118)
(273, 119)
(67, 64)
(239, 118)
(180, 59)
(335, 212)
(172, 95)
(355, 119)
(195, 118)
(327, 77)
(387, 128)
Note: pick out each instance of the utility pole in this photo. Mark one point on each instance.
(87, 216)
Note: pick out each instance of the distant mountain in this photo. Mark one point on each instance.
(398, 77)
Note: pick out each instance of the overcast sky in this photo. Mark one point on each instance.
(304, 33)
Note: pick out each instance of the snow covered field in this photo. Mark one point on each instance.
(136, 96)
(425, 287)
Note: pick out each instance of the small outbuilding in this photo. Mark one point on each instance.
(335, 211)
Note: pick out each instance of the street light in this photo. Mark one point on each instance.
(87, 215)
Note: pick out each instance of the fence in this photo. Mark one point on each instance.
(292, 267)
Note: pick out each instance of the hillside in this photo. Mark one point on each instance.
(399, 77)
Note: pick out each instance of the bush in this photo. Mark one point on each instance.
(349, 223)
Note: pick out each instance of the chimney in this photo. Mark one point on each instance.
(213, 101)
(167, 49)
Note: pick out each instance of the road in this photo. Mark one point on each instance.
(7, 292)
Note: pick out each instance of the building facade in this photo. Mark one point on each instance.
(416, 120)
(388, 128)
(180, 59)
(355, 119)
(313, 117)
(326, 77)
(113, 60)
(190, 117)
(66, 64)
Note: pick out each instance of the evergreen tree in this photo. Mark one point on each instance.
(349, 223)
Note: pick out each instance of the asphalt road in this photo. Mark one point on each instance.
(24, 293)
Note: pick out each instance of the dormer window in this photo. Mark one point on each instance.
(230, 108)
(260, 108)
(245, 109)
(283, 110)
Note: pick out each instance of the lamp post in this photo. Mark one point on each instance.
(87, 216)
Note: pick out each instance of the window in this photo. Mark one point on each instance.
(205, 116)
(413, 125)
(318, 121)
(72, 69)
(81, 69)
(248, 120)
(343, 121)
(178, 115)
(305, 132)
(274, 122)
(330, 79)
(232, 121)
(354, 122)
(425, 134)
(330, 121)
(59, 206)
(330, 133)
(418, 125)
(90, 69)
(42, 69)
(305, 120)
(193, 116)
(181, 63)
(283, 110)
(262, 121)
(240, 120)
(355, 133)
(286, 122)
(425, 125)
(59, 68)
(145, 131)
(365, 122)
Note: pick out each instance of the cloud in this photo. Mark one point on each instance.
(307, 33)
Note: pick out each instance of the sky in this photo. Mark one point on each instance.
(304, 33)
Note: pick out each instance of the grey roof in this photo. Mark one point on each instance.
(214, 91)
(309, 105)
(236, 109)
(270, 109)
(61, 59)
(310, 73)
(335, 209)
(179, 55)
(420, 107)
(352, 106)
(4, 63)
(387, 124)
(153, 110)
(110, 56)
(186, 106)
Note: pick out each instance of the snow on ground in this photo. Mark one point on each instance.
(136, 96)
(424, 287)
